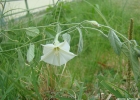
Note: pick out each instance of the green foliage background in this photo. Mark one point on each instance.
(88, 76)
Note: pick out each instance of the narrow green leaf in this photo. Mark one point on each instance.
(16, 84)
(97, 6)
(1, 37)
(135, 64)
(30, 52)
(35, 84)
(7, 91)
(50, 32)
(113, 91)
(49, 35)
(81, 91)
(80, 44)
(20, 58)
(102, 80)
(115, 42)
(122, 91)
(32, 31)
(137, 49)
(125, 49)
(1, 48)
(63, 98)
(132, 51)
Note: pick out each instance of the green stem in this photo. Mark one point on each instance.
(116, 32)
(53, 24)
(96, 30)
(23, 46)
(10, 38)
(62, 72)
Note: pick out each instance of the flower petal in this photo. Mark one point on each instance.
(64, 46)
(65, 56)
(48, 48)
(51, 58)
(48, 58)
(56, 60)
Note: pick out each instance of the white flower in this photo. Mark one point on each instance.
(57, 54)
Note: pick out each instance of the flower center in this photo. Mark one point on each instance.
(56, 50)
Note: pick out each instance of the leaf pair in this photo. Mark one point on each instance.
(32, 32)
(115, 42)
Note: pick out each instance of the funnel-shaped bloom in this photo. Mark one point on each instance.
(57, 54)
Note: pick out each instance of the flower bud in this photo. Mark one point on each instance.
(94, 23)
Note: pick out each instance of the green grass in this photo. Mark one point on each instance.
(84, 75)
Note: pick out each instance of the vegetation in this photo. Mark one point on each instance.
(96, 73)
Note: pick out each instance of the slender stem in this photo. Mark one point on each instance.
(62, 72)
(53, 2)
(53, 24)
(76, 25)
(23, 46)
(3, 6)
(10, 38)
(60, 10)
(96, 30)
(27, 7)
(116, 32)
(27, 28)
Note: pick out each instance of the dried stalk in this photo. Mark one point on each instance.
(130, 36)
